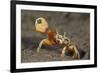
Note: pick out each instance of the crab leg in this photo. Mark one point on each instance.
(63, 52)
(40, 45)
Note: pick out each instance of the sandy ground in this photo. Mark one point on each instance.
(76, 25)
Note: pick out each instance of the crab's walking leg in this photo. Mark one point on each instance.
(40, 45)
(63, 51)
(76, 54)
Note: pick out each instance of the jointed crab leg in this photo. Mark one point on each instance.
(40, 45)
(63, 52)
(76, 54)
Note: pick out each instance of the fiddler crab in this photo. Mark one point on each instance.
(53, 38)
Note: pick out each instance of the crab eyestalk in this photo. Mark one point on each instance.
(64, 35)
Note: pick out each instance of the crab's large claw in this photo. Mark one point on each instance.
(41, 25)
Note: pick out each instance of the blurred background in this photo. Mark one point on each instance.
(76, 26)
